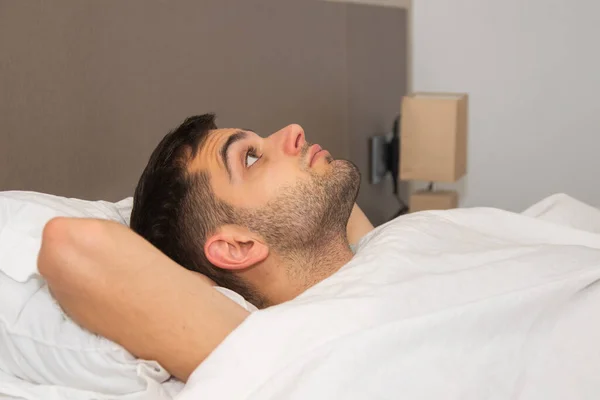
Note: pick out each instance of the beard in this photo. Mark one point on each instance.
(305, 217)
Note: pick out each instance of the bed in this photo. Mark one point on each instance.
(45, 355)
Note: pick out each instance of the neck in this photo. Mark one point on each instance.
(283, 277)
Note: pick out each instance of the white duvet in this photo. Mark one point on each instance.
(462, 304)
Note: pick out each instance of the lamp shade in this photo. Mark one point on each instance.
(434, 137)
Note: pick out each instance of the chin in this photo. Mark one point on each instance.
(346, 179)
(349, 169)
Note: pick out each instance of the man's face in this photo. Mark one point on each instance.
(289, 191)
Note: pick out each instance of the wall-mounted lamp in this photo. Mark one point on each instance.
(428, 143)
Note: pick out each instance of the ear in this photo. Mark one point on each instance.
(235, 248)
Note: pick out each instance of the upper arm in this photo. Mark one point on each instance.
(118, 285)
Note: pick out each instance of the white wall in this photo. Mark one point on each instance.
(532, 68)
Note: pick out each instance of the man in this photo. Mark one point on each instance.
(266, 217)
(462, 304)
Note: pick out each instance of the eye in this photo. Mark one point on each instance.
(251, 157)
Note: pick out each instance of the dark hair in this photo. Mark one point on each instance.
(175, 209)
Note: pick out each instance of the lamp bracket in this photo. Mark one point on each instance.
(385, 155)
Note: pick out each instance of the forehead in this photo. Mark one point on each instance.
(207, 158)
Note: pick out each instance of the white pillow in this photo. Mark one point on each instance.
(564, 210)
(124, 208)
(22, 219)
(38, 344)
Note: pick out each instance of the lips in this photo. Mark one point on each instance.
(312, 152)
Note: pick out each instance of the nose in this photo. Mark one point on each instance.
(292, 138)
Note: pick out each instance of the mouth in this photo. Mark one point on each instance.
(314, 152)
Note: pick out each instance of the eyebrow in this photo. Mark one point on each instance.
(236, 137)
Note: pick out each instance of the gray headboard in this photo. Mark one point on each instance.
(88, 88)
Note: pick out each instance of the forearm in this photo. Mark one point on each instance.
(116, 284)
(358, 225)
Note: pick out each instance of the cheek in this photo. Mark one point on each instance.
(272, 181)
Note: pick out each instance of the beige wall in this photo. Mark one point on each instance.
(87, 88)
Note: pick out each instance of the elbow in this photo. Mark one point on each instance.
(56, 244)
(64, 242)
